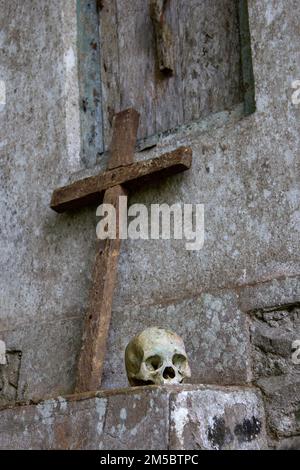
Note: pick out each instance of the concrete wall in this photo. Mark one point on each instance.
(245, 171)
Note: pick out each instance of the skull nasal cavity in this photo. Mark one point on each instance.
(169, 373)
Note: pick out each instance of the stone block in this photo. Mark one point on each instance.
(214, 330)
(244, 171)
(9, 377)
(217, 419)
(273, 333)
(269, 295)
(149, 418)
(49, 354)
(138, 419)
(272, 336)
(128, 419)
(53, 424)
(282, 401)
(291, 443)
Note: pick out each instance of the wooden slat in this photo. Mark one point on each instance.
(164, 37)
(90, 95)
(168, 90)
(125, 128)
(89, 190)
(110, 72)
(98, 316)
(137, 61)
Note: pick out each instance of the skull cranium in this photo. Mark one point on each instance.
(156, 356)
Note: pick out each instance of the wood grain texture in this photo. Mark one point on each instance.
(168, 90)
(110, 73)
(90, 190)
(125, 127)
(207, 66)
(163, 36)
(137, 61)
(98, 316)
(90, 95)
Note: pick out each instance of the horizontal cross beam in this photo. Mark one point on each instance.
(90, 190)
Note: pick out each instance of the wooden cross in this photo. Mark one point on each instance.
(122, 174)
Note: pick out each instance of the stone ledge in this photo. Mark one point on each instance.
(187, 417)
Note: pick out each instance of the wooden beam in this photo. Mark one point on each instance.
(98, 316)
(125, 127)
(90, 190)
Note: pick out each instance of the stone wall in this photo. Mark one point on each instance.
(235, 302)
(142, 418)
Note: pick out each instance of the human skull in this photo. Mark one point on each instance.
(156, 356)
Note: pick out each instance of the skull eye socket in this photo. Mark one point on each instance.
(153, 362)
(179, 360)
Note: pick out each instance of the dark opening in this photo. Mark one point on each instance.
(169, 373)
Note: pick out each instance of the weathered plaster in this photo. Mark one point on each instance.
(245, 171)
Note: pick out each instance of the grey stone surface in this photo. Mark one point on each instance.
(282, 403)
(267, 296)
(130, 419)
(45, 258)
(292, 443)
(217, 419)
(214, 330)
(250, 192)
(9, 377)
(272, 336)
(138, 419)
(49, 357)
(54, 424)
(245, 171)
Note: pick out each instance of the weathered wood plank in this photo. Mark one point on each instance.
(137, 61)
(90, 94)
(110, 72)
(164, 37)
(207, 72)
(97, 320)
(91, 189)
(98, 316)
(125, 127)
(168, 89)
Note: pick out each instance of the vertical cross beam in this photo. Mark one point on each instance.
(97, 321)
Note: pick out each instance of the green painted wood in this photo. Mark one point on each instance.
(89, 74)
